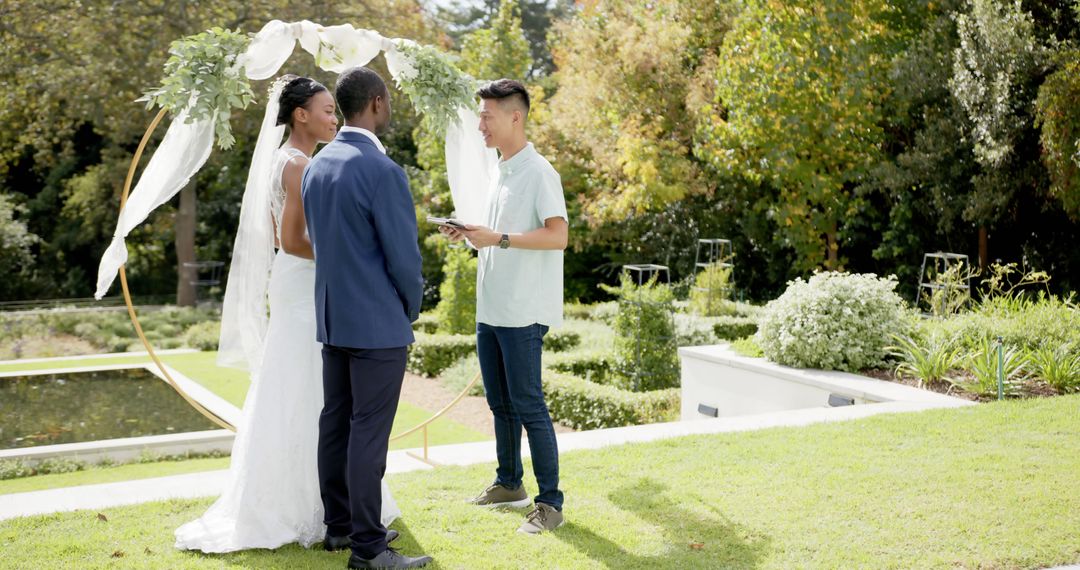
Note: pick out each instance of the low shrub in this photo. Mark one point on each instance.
(1058, 366)
(203, 336)
(1023, 322)
(427, 323)
(693, 330)
(117, 344)
(433, 353)
(107, 329)
(15, 468)
(580, 404)
(593, 366)
(561, 340)
(833, 321)
(734, 328)
(646, 343)
(578, 311)
(982, 363)
(458, 375)
(456, 311)
(605, 312)
(594, 335)
(711, 291)
(930, 361)
(747, 347)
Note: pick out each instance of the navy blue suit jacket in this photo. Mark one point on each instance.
(362, 226)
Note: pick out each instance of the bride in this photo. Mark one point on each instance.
(272, 497)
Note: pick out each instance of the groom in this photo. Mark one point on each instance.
(368, 290)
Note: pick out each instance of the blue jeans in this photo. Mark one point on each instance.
(510, 365)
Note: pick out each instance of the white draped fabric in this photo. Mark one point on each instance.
(243, 314)
(185, 148)
(471, 168)
(182, 153)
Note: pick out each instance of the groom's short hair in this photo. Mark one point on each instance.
(506, 90)
(356, 88)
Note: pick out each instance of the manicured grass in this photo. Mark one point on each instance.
(231, 385)
(442, 431)
(992, 486)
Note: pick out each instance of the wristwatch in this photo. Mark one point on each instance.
(504, 243)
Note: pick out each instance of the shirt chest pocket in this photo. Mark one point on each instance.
(515, 210)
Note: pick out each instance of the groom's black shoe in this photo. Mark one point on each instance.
(389, 558)
(333, 543)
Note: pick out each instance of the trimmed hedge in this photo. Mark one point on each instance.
(456, 311)
(561, 340)
(594, 366)
(427, 323)
(433, 353)
(734, 328)
(202, 336)
(582, 405)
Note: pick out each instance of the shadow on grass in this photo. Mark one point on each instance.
(692, 540)
(294, 556)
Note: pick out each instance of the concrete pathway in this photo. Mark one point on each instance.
(211, 483)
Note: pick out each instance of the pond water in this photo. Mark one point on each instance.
(46, 409)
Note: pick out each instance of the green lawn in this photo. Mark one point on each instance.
(992, 486)
(231, 385)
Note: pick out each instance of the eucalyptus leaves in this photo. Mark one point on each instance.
(436, 87)
(202, 75)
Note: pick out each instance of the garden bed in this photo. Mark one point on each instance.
(1028, 387)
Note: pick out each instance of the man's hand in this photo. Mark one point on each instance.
(452, 234)
(481, 237)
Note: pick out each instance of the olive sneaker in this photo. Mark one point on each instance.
(542, 518)
(497, 496)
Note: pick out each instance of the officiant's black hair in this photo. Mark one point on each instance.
(295, 94)
(356, 88)
(503, 89)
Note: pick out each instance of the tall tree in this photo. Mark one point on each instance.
(71, 73)
(798, 105)
(630, 82)
(500, 50)
(16, 257)
(1059, 120)
(460, 18)
(997, 56)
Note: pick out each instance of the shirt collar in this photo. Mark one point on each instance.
(518, 160)
(366, 133)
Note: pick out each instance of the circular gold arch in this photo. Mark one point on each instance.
(161, 366)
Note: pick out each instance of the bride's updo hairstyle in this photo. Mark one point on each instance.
(294, 95)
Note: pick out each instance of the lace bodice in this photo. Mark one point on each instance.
(277, 188)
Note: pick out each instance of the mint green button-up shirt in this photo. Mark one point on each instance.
(517, 287)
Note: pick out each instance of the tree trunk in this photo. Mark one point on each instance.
(185, 247)
(984, 249)
(832, 253)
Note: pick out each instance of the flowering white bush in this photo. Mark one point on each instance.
(834, 321)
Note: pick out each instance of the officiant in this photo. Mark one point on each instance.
(519, 297)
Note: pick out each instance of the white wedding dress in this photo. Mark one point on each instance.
(272, 497)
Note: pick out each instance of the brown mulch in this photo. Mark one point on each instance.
(1029, 388)
(471, 411)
